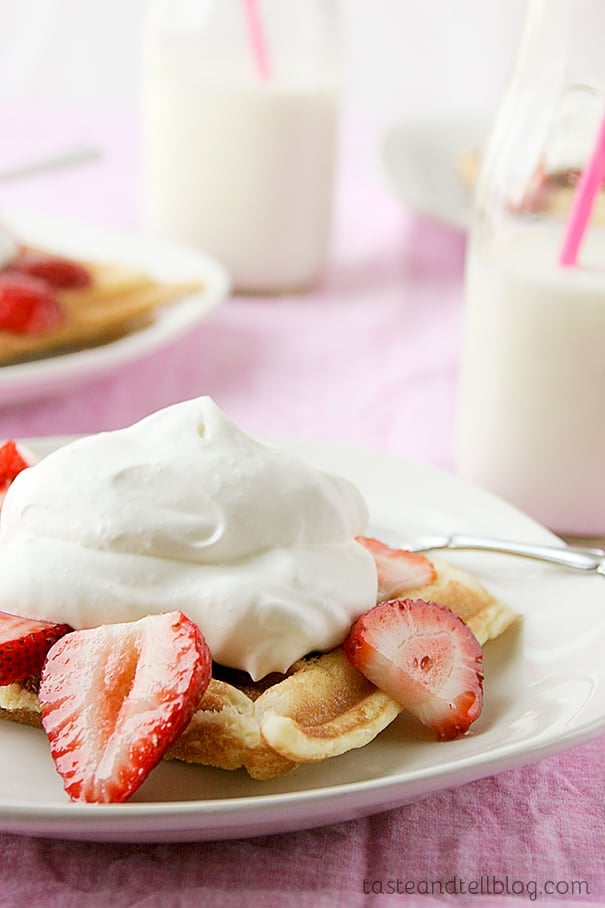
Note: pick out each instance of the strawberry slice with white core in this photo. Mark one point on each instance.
(24, 644)
(115, 697)
(425, 657)
(399, 571)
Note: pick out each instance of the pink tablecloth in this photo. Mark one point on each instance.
(369, 358)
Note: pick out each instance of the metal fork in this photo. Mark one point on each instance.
(578, 558)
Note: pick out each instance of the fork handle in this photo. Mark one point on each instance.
(579, 558)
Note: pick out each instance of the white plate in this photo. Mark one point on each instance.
(164, 261)
(421, 162)
(543, 693)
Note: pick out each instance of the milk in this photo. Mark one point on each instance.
(531, 423)
(243, 169)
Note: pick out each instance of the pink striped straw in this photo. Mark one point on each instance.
(257, 39)
(585, 196)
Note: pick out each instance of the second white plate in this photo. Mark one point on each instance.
(422, 162)
(164, 261)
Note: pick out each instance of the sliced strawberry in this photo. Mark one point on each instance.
(12, 462)
(27, 305)
(61, 273)
(24, 643)
(399, 571)
(425, 657)
(114, 698)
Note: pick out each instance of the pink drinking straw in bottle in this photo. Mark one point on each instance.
(589, 186)
(258, 42)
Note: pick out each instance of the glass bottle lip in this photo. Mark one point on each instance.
(562, 41)
(548, 118)
(212, 37)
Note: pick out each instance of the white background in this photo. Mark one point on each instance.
(405, 57)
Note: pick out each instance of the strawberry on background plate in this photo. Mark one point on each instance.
(57, 271)
(28, 305)
(24, 644)
(398, 570)
(115, 697)
(425, 657)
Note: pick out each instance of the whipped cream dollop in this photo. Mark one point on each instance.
(185, 511)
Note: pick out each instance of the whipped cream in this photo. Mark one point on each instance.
(184, 510)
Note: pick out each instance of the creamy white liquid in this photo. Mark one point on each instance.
(532, 406)
(244, 170)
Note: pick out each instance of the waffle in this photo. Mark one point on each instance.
(321, 708)
(118, 300)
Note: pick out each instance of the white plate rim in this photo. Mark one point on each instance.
(260, 814)
(420, 158)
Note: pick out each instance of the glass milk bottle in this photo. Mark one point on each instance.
(531, 421)
(240, 123)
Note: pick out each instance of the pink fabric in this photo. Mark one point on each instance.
(364, 359)
(369, 358)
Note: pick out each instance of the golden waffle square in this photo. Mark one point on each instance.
(320, 708)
